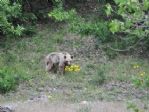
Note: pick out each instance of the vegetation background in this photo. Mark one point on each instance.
(109, 39)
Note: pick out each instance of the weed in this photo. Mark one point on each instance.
(74, 76)
(99, 77)
(141, 80)
(140, 77)
(9, 79)
(133, 107)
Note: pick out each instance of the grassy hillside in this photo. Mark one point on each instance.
(99, 79)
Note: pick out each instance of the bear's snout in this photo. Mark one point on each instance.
(67, 63)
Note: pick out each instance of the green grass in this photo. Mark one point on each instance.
(27, 57)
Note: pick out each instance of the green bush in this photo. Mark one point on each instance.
(61, 15)
(132, 20)
(8, 14)
(9, 79)
(141, 80)
(78, 25)
(13, 21)
(98, 29)
(29, 30)
(132, 107)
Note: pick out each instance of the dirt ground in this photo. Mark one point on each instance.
(84, 106)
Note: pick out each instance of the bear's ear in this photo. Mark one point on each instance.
(64, 57)
(71, 57)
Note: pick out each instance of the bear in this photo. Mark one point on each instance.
(57, 61)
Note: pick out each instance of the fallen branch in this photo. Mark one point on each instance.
(124, 50)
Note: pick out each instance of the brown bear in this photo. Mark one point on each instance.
(56, 61)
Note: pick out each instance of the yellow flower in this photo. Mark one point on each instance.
(76, 66)
(136, 66)
(76, 70)
(142, 74)
(72, 68)
(66, 68)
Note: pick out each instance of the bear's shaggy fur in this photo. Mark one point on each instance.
(56, 61)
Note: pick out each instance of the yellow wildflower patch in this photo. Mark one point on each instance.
(74, 68)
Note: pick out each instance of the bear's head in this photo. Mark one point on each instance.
(68, 59)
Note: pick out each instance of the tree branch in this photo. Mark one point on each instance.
(124, 50)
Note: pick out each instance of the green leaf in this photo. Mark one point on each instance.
(114, 26)
(121, 1)
(108, 9)
(146, 5)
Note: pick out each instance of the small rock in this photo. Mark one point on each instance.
(31, 98)
(54, 89)
(6, 109)
(40, 89)
(84, 102)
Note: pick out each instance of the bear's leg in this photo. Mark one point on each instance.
(49, 65)
(61, 69)
(55, 68)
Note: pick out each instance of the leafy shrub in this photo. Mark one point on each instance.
(13, 21)
(28, 18)
(132, 20)
(98, 29)
(133, 107)
(8, 13)
(60, 15)
(9, 79)
(141, 80)
(29, 30)
(78, 24)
